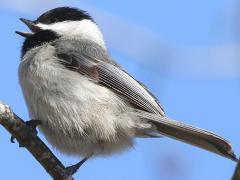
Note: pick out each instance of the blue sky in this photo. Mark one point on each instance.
(186, 52)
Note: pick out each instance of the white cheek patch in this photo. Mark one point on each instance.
(85, 29)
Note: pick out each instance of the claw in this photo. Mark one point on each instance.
(32, 124)
(12, 139)
(74, 168)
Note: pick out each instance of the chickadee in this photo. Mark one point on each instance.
(87, 104)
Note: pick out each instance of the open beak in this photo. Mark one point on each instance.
(31, 25)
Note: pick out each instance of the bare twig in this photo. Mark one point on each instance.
(236, 175)
(19, 130)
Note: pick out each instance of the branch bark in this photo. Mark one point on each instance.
(19, 130)
(236, 175)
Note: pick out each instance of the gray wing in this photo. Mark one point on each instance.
(93, 61)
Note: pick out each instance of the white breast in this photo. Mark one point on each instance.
(79, 116)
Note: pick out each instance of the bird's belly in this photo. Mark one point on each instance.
(79, 117)
(82, 145)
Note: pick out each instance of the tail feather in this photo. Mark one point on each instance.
(189, 134)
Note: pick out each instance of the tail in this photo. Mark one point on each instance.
(189, 134)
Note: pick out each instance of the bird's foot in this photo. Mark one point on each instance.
(32, 128)
(32, 124)
(74, 168)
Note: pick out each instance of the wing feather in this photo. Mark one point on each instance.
(102, 70)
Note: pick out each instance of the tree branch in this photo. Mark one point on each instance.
(236, 175)
(19, 130)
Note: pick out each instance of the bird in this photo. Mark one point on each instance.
(83, 101)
